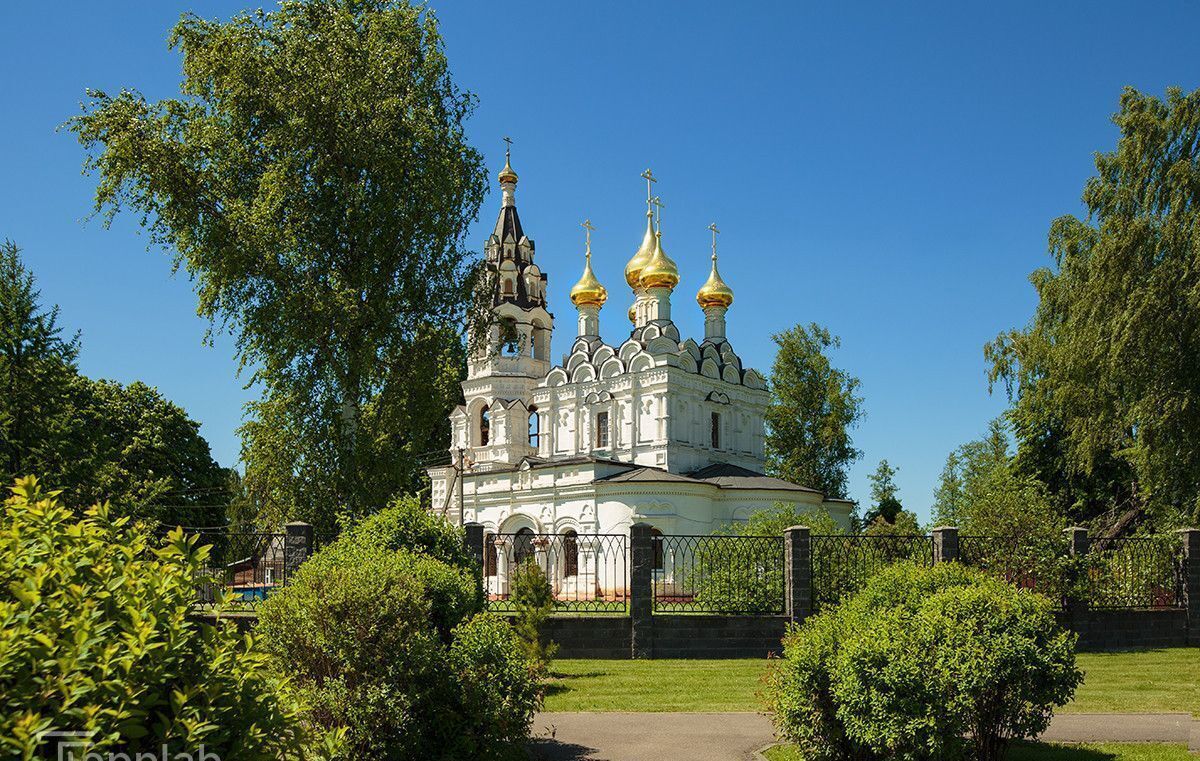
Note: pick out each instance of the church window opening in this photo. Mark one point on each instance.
(570, 545)
(715, 431)
(535, 427)
(510, 338)
(507, 287)
(656, 541)
(522, 546)
(485, 426)
(602, 429)
(489, 555)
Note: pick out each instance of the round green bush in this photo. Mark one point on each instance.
(95, 638)
(388, 644)
(924, 663)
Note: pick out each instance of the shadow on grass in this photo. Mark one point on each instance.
(1033, 751)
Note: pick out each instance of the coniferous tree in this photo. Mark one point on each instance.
(37, 370)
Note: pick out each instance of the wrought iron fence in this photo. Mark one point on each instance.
(1038, 563)
(841, 565)
(248, 565)
(719, 574)
(588, 573)
(1134, 572)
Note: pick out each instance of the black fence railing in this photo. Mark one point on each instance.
(719, 574)
(247, 565)
(841, 565)
(588, 573)
(1038, 563)
(1135, 572)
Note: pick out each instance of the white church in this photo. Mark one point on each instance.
(654, 428)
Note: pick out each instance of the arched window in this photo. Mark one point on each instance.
(510, 337)
(656, 541)
(715, 430)
(489, 554)
(570, 545)
(522, 545)
(535, 427)
(485, 426)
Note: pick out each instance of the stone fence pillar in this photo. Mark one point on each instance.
(297, 546)
(641, 590)
(797, 560)
(1191, 582)
(1077, 547)
(945, 544)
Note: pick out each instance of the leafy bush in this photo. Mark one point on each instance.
(924, 663)
(533, 599)
(405, 524)
(387, 643)
(95, 637)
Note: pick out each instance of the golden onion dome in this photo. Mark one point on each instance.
(507, 174)
(588, 291)
(714, 292)
(660, 271)
(633, 270)
(632, 313)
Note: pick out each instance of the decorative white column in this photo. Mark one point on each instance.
(589, 320)
(714, 321)
(658, 304)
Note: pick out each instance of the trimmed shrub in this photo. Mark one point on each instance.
(533, 599)
(406, 525)
(387, 643)
(924, 663)
(95, 637)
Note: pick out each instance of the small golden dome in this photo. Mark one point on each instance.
(632, 313)
(507, 174)
(633, 269)
(660, 271)
(714, 292)
(588, 291)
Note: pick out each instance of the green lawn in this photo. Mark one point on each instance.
(1047, 752)
(1147, 682)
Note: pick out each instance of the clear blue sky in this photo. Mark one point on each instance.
(886, 169)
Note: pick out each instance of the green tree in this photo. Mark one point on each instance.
(1105, 380)
(885, 502)
(37, 370)
(813, 407)
(315, 181)
(94, 439)
(142, 452)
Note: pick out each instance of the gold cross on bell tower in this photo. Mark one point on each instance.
(508, 141)
(713, 226)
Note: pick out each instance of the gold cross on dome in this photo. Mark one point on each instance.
(587, 225)
(715, 231)
(658, 204)
(649, 177)
(508, 145)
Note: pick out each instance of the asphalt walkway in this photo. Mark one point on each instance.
(736, 736)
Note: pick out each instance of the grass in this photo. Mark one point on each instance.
(1150, 681)
(1048, 752)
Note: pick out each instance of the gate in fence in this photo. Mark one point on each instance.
(588, 573)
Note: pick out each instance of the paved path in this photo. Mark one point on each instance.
(735, 736)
